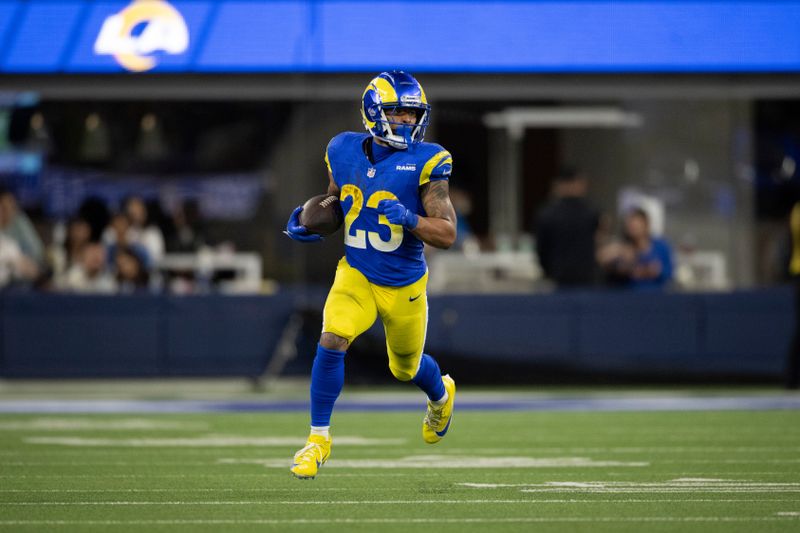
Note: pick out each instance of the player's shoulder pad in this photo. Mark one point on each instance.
(437, 163)
(345, 140)
(341, 143)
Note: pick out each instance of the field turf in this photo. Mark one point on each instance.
(495, 471)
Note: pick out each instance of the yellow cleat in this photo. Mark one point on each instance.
(437, 420)
(308, 459)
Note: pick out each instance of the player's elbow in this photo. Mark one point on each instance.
(439, 233)
(447, 239)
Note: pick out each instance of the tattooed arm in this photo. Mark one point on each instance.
(332, 187)
(439, 227)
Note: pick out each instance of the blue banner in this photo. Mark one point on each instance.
(106, 36)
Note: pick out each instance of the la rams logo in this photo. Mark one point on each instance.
(144, 27)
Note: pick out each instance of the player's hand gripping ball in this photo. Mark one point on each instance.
(320, 215)
(396, 213)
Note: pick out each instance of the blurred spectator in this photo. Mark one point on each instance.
(462, 204)
(641, 261)
(566, 233)
(132, 276)
(16, 225)
(67, 246)
(119, 235)
(79, 234)
(142, 231)
(94, 211)
(793, 366)
(38, 137)
(159, 218)
(14, 265)
(189, 234)
(89, 272)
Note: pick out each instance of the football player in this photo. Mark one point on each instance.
(393, 189)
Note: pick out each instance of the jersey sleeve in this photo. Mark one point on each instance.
(332, 152)
(438, 167)
(328, 159)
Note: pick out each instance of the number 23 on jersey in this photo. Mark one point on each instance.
(359, 237)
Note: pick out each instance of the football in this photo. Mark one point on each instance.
(322, 214)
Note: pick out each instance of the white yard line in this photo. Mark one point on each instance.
(207, 441)
(405, 502)
(195, 489)
(72, 424)
(450, 462)
(302, 521)
(318, 489)
(634, 484)
(442, 461)
(494, 450)
(676, 486)
(105, 463)
(741, 473)
(631, 449)
(261, 502)
(383, 502)
(729, 461)
(676, 483)
(226, 476)
(660, 491)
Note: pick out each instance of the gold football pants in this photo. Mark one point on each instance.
(354, 303)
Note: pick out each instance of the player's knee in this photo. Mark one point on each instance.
(331, 341)
(402, 373)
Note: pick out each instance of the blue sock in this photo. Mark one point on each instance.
(327, 379)
(429, 378)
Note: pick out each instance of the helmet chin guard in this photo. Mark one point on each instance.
(390, 90)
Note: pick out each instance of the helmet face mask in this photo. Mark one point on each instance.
(388, 92)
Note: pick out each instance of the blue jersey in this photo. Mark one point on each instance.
(387, 254)
(660, 252)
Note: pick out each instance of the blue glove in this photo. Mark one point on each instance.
(396, 213)
(298, 232)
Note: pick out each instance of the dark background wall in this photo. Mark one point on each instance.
(512, 338)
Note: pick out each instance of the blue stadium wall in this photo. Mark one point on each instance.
(744, 334)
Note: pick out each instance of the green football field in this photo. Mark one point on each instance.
(495, 471)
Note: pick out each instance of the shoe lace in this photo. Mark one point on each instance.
(433, 417)
(311, 452)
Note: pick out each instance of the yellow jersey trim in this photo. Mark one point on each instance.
(442, 158)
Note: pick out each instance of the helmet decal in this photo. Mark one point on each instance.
(385, 90)
(390, 90)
